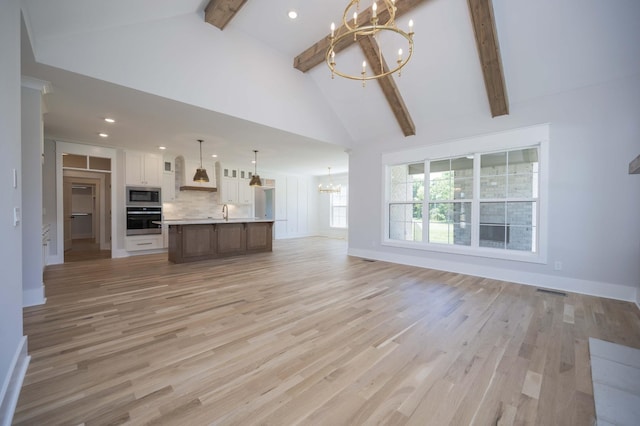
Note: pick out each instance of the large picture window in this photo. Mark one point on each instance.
(481, 202)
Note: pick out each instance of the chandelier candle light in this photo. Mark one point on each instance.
(330, 187)
(350, 28)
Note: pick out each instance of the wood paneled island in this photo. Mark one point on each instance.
(201, 239)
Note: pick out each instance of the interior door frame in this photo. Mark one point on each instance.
(89, 150)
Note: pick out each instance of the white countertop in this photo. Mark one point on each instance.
(210, 220)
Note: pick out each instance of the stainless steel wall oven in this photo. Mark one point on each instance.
(140, 220)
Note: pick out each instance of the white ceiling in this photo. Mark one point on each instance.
(546, 47)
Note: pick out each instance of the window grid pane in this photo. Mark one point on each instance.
(507, 201)
(338, 208)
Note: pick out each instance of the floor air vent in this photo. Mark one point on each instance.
(557, 293)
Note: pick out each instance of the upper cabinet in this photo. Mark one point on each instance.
(234, 185)
(168, 179)
(143, 169)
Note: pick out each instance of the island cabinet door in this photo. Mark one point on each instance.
(259, 236)
(231, 239)
(192, 242)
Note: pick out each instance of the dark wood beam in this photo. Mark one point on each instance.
(377, 63)
(487, 41)
(219, 12)
(315, 54)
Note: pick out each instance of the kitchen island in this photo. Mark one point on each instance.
(191, 240)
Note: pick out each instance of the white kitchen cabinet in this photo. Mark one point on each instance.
(228, 191)
(234, 185)
(245, 192)
(168, 187)
(168, 179)
(143, 169)
(143, 242)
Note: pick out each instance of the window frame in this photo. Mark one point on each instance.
(534, 136)
(344, 194)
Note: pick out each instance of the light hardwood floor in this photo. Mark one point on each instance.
(308, 335)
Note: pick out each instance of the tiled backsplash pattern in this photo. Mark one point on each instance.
(200, 204)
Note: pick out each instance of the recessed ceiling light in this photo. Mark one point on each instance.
(103, 135)
(109, 120)
(253, 161)
(293, 14)
(214, 155)
(162, 147)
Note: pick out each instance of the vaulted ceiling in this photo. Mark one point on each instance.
(170, 77)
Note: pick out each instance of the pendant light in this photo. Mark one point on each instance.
(255, 179)
(201, 173)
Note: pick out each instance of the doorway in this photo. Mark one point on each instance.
(264, 202)
(85, 214)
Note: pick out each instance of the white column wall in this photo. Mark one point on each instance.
(13, 356)
(32, 144)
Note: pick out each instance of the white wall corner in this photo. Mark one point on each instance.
(13, 383)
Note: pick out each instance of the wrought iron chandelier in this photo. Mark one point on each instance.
(331, 187)
(359, 30)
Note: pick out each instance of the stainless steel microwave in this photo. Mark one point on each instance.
(143, 196)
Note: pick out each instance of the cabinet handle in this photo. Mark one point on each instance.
(144, 244)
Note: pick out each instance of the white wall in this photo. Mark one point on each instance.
(49, 194)
(13, 357)
(274, 94)
(593, 201)
(32, 144)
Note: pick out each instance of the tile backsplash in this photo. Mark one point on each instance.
(199, 205)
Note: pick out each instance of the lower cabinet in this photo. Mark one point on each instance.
(190, 243)
(232, 239)
(259, 237)
(143, 242)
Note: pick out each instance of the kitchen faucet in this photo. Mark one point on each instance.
(225, 212)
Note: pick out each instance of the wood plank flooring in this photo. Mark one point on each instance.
(308, 335)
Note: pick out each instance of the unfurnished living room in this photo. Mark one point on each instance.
(419, 212)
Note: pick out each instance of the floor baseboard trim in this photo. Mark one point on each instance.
(566, 284)
(13, 383)
(33, 297)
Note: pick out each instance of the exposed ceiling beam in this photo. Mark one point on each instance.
(388, 85)
(315, 54)
(219, 12)
(484, 28)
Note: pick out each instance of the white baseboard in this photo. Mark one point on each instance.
(33, 297)
(55, 259)
(591, 288)
(13, 383)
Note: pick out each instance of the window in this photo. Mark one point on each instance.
(406, 200)
(485, 201)
(338, 208)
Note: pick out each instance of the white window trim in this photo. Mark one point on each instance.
(346, 206)
(503, 141)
